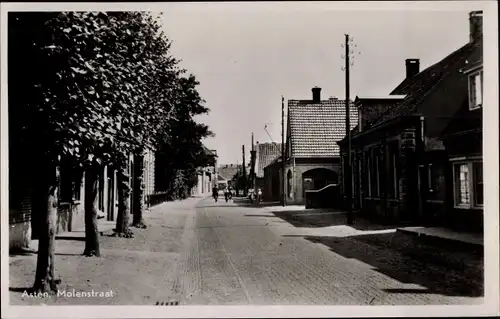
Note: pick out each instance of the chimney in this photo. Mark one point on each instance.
(412, 67)
(316, 94)
(475, 26)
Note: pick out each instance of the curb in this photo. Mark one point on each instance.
(441, 240)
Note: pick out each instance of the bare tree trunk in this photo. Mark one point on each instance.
(91, 230)
(45, 274)
(123, 218)
(138, 193)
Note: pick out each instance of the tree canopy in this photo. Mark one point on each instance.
(97, 83)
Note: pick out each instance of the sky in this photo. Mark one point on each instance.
(246, 57)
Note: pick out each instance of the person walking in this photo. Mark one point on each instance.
(215, 193)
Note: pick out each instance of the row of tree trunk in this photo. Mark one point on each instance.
(45, 280)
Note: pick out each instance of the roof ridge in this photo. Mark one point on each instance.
(468, 48)
(439, 62)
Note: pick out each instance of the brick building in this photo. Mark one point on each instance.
(27, 198)
(312, 155)
(207, 175)
(266, 153)
(415, 151)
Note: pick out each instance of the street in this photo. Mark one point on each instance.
(198, 252)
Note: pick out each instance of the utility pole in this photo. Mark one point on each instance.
(244, 172)
(283, 150)
(348, 175)
(238, 179)
(253, 156)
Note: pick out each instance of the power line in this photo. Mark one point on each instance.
(274, 143)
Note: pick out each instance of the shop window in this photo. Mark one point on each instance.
(468, 184)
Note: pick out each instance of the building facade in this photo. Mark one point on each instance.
(312, 157)
(207, 175)
(27, 199)
(463, 141)
(266, 153)
(415, 151)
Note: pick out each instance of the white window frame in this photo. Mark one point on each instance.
(473, 105)
(472, 196)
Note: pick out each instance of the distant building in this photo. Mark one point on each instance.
(227, 173)
(312, 156)
(266, 153)
(417, 153)
(207, 175)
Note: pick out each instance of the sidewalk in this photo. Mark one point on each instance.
(299, 216)
(330, 227)
(446, 235)
(145, 262)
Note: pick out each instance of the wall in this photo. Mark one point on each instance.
(206, 181)
(388, 206)
(20, 235)
(370, 111)
(149, 175)
(302, 166)
(272, 182)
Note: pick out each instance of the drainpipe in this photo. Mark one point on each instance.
(420, 151)
(293, 180)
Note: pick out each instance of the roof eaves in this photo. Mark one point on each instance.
(472, 67)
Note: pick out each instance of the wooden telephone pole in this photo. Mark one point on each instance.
(253, 159)
(244, 172)
(348, 174)
(283, 198)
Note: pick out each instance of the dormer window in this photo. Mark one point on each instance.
(476, 90)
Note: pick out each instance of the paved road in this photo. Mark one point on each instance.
(245, 255)
(201, 252)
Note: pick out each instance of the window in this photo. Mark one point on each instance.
(432, 178)
(462, 180)
(369, 173)
(394, 170)
(468, 184)
(478, 184)
(376, 171)
(476, 90)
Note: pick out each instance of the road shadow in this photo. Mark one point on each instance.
(259, 215)
(75, 238)
(69, 254)
(316, 219)
(438, 267)
(223, 205)
(28, 290)
(22, 252)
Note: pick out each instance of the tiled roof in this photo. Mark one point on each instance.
(316, 127)
(228, 171)
(267, 152)
(208, 152)
(276, 160)
(419, 86)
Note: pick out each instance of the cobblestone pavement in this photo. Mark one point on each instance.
(226, 254)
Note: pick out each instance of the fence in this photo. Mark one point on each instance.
(326, 197)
